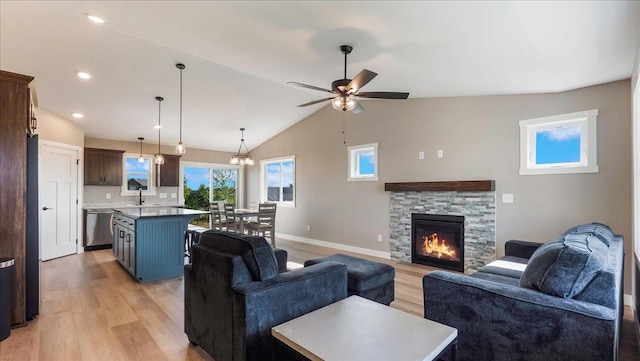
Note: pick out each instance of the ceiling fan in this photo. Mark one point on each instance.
(347, 91)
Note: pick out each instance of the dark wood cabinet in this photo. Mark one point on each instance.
(168, 174)
(103, 167)
(14, 122)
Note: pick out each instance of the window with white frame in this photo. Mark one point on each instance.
(565, 143)
(138, 174)
(278, 179)
(363, 162)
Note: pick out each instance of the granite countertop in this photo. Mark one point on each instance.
(142, 212)
(128, 205)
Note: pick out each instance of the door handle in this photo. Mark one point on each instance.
(121, 234)
(46, 208)
(128, 237)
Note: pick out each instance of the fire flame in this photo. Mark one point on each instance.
(435, 247)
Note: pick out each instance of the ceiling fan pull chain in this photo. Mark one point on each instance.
(344, 137)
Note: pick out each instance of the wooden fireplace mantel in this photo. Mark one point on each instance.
(446, 186)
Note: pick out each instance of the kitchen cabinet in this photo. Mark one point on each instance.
(168, 174)
(14, 118)
(103, 167)
(124, 241)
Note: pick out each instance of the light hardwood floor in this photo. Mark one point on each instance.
(91, 309)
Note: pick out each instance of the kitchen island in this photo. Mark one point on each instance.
(149, 242)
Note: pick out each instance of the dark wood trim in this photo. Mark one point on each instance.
(14, 77)
(105, 150)
(446, 186)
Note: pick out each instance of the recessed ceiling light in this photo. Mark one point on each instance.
(157, 126)
(77, 115)
(95, 19)
(83, 75)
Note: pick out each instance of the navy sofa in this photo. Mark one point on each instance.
(565, 305)
(237, 288)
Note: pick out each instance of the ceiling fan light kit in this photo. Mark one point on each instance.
(347, 91)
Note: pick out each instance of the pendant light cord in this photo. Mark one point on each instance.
(181, 104)
(159, 125)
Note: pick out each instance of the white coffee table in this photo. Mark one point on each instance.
(359, 329)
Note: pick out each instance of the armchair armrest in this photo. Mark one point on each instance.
(262, 305)
(522, 249)
(281, 258)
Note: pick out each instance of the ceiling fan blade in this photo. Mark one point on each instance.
(383, 95)
(360, 80)
(314, 102)
(359, 108)
(310, 87)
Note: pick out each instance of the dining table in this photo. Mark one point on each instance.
(244, 214)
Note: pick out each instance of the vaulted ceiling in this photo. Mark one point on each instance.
(240, 54)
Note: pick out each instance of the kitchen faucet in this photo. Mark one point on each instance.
(141, 200)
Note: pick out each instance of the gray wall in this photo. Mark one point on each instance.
(480, 139)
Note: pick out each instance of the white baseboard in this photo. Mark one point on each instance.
(343, 247)
(628, 300)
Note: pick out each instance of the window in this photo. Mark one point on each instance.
(564, 143)
(138, 175)
(278, 180)
(363, 162)
(204, 183)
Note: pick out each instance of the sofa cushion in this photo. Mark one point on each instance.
(565, 266)
(508, 266)
(256, 252)
(600, 230)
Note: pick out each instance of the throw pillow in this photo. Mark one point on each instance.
(564, 267)
(600, 230)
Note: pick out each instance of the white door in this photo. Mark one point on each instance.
(58, 195)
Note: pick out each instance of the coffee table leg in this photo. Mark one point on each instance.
(454, 350)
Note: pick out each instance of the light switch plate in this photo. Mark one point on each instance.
(507, 198)
(440, 153)
(420, 155)
(163, 195)
(174, 195)
(108, 195)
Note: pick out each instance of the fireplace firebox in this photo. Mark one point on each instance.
(438, 240)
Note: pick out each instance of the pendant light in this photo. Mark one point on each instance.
(242, 159)
(180, 148)
(159, 158)
(140, 158)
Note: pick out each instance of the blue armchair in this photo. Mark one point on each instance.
(236, 289)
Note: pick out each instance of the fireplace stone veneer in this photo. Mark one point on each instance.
(478, 209)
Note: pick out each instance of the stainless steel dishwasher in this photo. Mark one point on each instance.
(98, 232)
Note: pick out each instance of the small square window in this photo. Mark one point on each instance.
(363, 162)
(138, 175)
(564, 143)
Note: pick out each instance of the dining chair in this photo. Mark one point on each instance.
(266, 222)
(230, 218)
(216, 216)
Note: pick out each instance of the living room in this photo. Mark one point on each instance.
(444, 137)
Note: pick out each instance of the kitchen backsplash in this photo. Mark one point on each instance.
(97, 195)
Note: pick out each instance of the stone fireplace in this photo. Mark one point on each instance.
(472, 201)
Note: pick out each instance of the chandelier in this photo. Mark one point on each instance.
(242, 159)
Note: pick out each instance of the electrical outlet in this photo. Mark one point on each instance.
(174, 195)
(440, 153)
(420, 155)
(507, 198)
(163, 195)
(308, 228)
(108, 195)
(379, 238)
